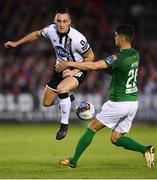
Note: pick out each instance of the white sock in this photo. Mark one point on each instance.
(65, 105)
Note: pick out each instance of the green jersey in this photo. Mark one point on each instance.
(124, 70)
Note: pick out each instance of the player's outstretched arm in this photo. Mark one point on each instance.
(28, 38)
(101, 64)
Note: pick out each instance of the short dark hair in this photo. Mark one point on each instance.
(126, 30)
(62, 10)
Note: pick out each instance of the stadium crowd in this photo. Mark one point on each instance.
(27, 68)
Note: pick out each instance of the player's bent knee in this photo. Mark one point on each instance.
(60, 90)
(115, 136)
(95, 125)
(114, 139)
(46, 103)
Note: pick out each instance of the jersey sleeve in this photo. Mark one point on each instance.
(45, 32)
(81, 44)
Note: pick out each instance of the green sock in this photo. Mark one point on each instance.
(83, 143)
(130, 144)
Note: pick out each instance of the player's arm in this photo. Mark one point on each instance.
(88, 56)
(28, 38)
(101, 64)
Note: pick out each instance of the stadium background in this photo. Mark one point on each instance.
(25, 70)
(29, 150)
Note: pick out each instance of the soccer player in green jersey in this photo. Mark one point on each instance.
(119, 111)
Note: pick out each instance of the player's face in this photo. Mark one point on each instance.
(62, 22)
(118, 39)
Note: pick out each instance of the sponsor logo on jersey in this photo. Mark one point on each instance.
(67, 46)
(61, 52)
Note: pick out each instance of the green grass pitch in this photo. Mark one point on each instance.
(31, 151)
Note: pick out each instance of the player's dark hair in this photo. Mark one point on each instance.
(62, 10)
(126, 30)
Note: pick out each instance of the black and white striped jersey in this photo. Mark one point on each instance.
(69, 46)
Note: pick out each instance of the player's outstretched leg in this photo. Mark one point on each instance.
(130, 144)
(65, 105)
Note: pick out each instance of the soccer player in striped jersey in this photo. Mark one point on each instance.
(69, 45)
(119, 112)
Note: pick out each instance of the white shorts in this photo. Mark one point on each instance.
(118, 115)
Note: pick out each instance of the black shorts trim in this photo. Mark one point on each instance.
(80, 76)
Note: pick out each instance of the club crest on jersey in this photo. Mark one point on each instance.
(68, 43)
(67, 46)
(61, 52)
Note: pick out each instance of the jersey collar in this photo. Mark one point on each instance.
(63, 34)
(125, 50)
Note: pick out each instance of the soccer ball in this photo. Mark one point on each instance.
(85, 111)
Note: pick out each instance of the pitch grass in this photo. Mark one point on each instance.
(31, 151)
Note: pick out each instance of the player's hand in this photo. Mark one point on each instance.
(68, 72)
(10, 44)
(61, 66)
